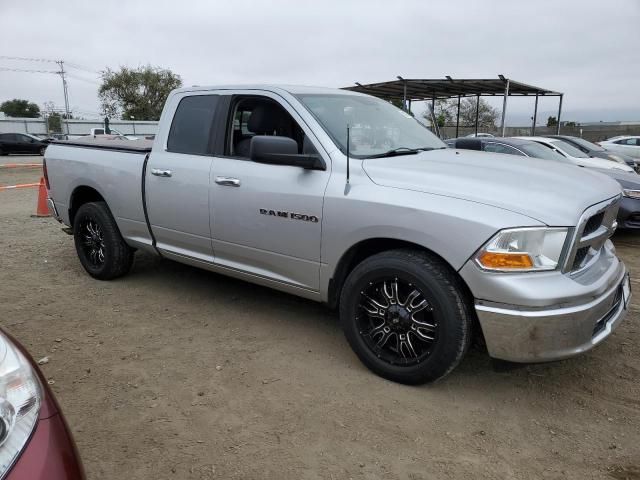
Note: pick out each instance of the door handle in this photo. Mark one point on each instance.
(228, 181)
(160, 173)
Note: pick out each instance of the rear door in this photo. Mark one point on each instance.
(266, 219)
(9, 143)
(27, 144)
(177, 177)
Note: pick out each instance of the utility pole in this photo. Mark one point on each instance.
(66, 94)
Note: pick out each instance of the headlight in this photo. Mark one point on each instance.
(20, 397)
(631, 193)
(523, 250)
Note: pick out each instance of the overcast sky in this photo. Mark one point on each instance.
(588, 49)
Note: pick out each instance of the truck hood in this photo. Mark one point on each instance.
(552, 193)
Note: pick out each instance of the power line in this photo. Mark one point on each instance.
(7, 69)
(81, 67)
(75, 77)
(63, 75)
(48, 60)
(27, 59)
(64, 88)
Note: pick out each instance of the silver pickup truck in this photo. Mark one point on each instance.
(342, 198)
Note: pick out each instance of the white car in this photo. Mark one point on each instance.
(577, 156)
(481, 135)
(100, 132)
(629, 145)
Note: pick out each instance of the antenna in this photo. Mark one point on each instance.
(348, 141)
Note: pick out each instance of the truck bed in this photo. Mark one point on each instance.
(112, 168)
(133, 146)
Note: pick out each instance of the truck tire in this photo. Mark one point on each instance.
(101, 249)
(406, 315)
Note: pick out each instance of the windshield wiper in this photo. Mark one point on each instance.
(400, 151)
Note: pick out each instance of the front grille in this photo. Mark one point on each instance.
(594, 228)
(581, 254)
(603, 321)
(593, 223)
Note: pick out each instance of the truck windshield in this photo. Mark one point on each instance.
(376, 128)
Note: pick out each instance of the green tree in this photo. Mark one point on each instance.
(20, 108)
(446, 111)
(398, 103)
(55, 122)
(552, 122)
(137, 93)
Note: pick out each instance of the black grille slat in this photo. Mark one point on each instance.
(593, 223)
(586, 247)
(581, 253)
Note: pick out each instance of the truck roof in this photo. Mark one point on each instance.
(292, 89)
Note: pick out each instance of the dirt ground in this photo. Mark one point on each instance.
(177, 373)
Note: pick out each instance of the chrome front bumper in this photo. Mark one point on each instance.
(521, 334)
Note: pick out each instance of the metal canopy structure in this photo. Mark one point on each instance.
(416, 90)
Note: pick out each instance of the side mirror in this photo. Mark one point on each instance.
(282, 151)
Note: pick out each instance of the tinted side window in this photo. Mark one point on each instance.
(191, 127)
(501, 148)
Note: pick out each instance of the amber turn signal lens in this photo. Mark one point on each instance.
(505, 260)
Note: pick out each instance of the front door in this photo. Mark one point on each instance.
(177, 179)
(266, 219)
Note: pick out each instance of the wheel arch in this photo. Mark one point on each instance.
(83, 194)
(372, 246)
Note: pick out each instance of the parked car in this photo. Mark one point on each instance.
(629, 212)
(480, 135)
(22, 143)
(35, 442)
(58, 136)
(508, 145)
(95, 132)
(411, 241)
(575, 155)
(629, 145)
(595, 150)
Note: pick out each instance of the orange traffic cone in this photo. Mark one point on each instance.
(42, 210)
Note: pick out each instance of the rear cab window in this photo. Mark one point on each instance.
(191, 128)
